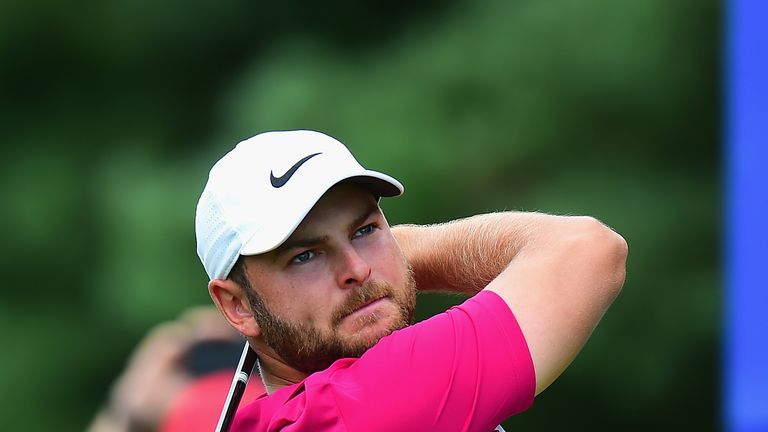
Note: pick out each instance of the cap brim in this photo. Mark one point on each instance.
(381, 184)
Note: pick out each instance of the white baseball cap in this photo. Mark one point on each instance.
(259, 192)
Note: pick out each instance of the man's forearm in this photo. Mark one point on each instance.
(467, 254)
(558, 274)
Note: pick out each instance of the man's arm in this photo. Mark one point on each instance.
(557, 274)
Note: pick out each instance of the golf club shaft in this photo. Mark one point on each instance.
(236, 390)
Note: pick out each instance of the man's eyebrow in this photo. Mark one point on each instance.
(301, 242)
(369, 210)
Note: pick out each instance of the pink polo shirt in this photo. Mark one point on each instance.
(467, 369)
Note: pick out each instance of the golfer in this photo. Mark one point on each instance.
(304, 264)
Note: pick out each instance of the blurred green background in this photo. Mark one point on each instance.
(111, 114)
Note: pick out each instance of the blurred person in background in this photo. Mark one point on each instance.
(177, 378)
(303, 263)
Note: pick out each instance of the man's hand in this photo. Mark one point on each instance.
(557, 274)
(155, 374)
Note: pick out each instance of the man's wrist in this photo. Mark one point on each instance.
(434, 252)
(411, 239)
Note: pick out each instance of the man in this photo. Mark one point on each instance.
(176, 377)
(303, 263)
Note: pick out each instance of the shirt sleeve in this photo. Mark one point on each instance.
(466, 369)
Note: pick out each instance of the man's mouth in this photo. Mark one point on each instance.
(366, 306)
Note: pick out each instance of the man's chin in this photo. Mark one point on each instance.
(367, 339)
(309, 350)
(377, 318)
(368, 336)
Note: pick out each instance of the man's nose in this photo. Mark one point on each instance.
(353, 270)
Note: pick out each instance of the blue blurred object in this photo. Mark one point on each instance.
(746, 356)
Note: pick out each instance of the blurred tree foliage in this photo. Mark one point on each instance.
(112, 113)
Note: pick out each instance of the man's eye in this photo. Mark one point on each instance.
(302, 257)
(368, 229)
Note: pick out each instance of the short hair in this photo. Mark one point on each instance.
(238, 275)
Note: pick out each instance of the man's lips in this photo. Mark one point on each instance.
(367, 307)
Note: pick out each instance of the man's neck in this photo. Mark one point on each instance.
(275, 374)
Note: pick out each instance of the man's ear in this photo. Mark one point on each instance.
(233, 304)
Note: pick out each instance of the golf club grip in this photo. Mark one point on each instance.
(236, 390)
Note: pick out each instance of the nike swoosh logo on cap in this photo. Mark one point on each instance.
(278, 182)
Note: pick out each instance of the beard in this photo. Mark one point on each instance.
(308, 349)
